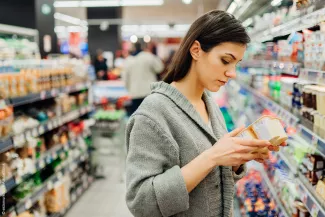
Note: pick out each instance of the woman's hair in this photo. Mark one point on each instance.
(211, 29)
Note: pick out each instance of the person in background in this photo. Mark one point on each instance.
(100, 65)
(139, 73)
(119, 60)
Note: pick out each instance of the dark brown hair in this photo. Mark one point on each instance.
(211, 29)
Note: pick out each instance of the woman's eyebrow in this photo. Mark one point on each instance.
(231, 56)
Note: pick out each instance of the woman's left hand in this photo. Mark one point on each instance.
(272, 148)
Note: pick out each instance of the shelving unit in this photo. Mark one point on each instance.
(274, 193)
(306, 21)
(309, 197)
(286, 67)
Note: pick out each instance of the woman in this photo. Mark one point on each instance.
(181, 160)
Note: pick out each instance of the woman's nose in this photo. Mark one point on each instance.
(231, 74)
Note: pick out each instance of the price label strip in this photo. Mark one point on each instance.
(28, 204)
(3, 189)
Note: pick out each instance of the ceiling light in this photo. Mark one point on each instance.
(147, 38)
(248, 22)
(104, 26)
(133, 38)
(232, 7)
(187, 2)
(243, 8)
(275, 3)
(69, 19)
(108, 3)
(66, 4)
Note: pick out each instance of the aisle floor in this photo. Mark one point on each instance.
(105, 197)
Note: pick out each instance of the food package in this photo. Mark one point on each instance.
(266, 128)
(320, 188)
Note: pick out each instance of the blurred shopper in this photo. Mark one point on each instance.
(139, 73)
(181, 160)
(100, 65)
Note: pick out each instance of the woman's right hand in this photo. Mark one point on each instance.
(235, 151)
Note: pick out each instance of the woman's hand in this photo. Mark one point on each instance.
(234, 151)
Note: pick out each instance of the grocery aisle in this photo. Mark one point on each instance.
(105, 197)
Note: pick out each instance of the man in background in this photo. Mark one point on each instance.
(139, 73)
(100, 65)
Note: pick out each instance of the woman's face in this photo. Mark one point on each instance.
(216, 67)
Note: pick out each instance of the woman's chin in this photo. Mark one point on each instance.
(214, 88)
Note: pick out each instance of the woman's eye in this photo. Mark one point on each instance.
(224, 61)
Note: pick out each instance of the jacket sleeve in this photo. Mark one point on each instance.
(158, 65)
(155, 185)
(241, 172)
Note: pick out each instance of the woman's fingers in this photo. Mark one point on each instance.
(274, 148)
(235, 132)
(283, 144)
(252, 142)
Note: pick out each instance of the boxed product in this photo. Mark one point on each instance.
(266, 128)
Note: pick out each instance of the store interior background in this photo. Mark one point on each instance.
(62, 149)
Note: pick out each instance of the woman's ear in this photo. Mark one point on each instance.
(195, 50)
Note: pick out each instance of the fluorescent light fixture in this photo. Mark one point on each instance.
(104, 26)
(187, 2)
(69, 19)
(182, 27)
(66, 4)
(133, 38)
(59, 29)
(243, 8)
(147, 38)
(108, 3)
(248, 22)
(232, 7)
(275, 3)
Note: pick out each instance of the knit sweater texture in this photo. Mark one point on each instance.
(162, 136)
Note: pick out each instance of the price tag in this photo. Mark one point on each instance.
(42, 164)
(12, 214)
(73, 198)
(3, 189)
(62, 155)
(28, 204)
(314, 211)
(48, 159)
(54, 92)
(60, 175)
(18, 179)
(304, 197)
(41, 129)
(79, 191)
(50, 125)
(54, 155)
(50, 185)
(35, 132)
(43, 95)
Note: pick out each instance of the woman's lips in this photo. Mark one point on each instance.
(222, 82)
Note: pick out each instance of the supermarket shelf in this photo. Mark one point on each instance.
(285, 115)
(285, 67)
(314, 206)
(273, 192)
(46, 159)
(297, 24)
(20, 139)
(293, 168)
(308, 196)
(314, 76)
(28, 202)
(317, 143)
(34, 97)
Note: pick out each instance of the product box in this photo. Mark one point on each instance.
(265, 128)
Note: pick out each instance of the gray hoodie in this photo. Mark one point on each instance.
(165, 134)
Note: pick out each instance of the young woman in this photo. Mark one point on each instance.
(181, 160)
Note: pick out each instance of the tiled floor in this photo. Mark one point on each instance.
(105, 197)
